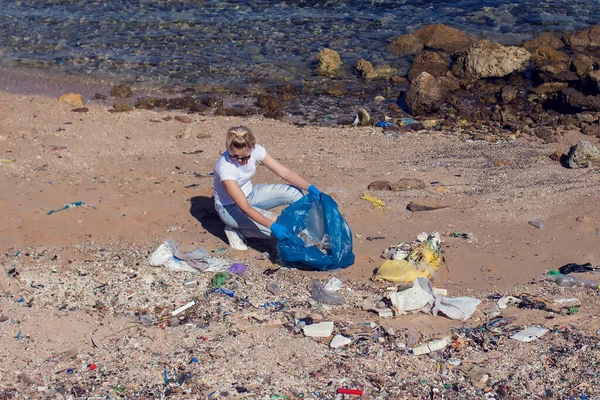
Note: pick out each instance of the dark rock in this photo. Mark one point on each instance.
(585, 38)
(336, 89)
(431, 62)
(199, 108)
(426, 205)
(122, 108)
(556, 156)
(121, 91)
(546, 54)
(508, 94)
(406, 45)
(424, 95)
(80, 109)
(571, 99)
(546, 134)
(161, 103)
(591, 130)
(99, 96)
(449, 82)
(287, 96)
(543, 75)
(545, 39)
(402, 184)
(591, 83)
(146, 103)
(549, 87)
(397, 79)
(231, 112)
(369, 72)
(212, 101)
(443, 37)
(581, 64)
(271, 107)
(380, 185)
(181, 103)
(183, 119)
(582, 155)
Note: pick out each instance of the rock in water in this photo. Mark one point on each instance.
(487, 59)
(328, 62)
(424, 95)
(121, 91)
(582, 155)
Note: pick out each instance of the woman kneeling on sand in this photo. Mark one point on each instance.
(242, 206)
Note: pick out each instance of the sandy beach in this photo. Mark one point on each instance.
(78, 280)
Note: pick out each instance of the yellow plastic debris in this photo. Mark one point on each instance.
(424, 254)
(6, 161)
(399, 271)
(377, 203)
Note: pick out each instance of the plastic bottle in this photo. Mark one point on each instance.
(572, 281)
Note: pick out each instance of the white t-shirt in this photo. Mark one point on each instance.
(226, 169)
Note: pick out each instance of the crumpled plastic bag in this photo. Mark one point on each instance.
(169, 255)
(408, 261)
(422, 297)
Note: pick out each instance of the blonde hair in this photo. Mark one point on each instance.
(240, 137)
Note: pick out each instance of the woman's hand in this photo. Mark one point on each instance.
(279, 231)
(314, 192)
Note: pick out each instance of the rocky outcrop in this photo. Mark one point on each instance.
(545, 39)
(573, 100)
(406, 45)
(368, 72)
(424, 95)
(328, 62)
(585, 38)
(121, 91)
(431, 62)
(443, 37)
(581, 64)
(487, 59)
(546, 54)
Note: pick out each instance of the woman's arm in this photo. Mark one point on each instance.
(237, 195)
(285, 173)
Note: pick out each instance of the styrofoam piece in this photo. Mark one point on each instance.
(339, 341)
(322, 329)
(430, 347)
(529, 334)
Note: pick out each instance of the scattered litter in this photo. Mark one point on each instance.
(333, 285)
(322, 329)
(506, 301)
(375, 202)
(238, 268)
(69, 205)
(219, 279)
(433, 346)
(537, 222)
(408, 261)
(572, 267)
(263, 256)
(371, 238)
(384, 124)
(320, 294)
(529, 334)
(183, 308)
(421, 297)
(6, 161)
(352, 392)
(190, 283)
(570, 302)
(571, 281)
(407, 121)
(169, 255)
(339, 341)
(220, 250)
(190, 153)
(225, 291)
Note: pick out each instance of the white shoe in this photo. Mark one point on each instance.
(235, 239)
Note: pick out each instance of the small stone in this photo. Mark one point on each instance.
(122, 108)
(74, 99)
(426, 205)
(315, 317)
(121, 91)
(385, 313)
(537, 222)
(148, 279)
(273, 287)
(184, 119)
(80, 110)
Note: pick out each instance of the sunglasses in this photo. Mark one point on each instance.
(239, 159)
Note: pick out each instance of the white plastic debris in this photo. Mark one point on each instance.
(169, 255)
(385, 312)
(333, 285)
(183, 308)
(322, 329)
(571, 301)
(529, 334)
(506, 301)
(430, 347)
(422, 297)
(339, 341)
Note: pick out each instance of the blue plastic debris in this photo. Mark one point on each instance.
(70, 371)
(408, 121)
(193, 360)
(19, 336)
(384, 124)
(74, 204)
(165, 377)
(225, 291)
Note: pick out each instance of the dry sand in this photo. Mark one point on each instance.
(132, 173)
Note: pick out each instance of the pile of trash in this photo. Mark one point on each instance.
(408, 261)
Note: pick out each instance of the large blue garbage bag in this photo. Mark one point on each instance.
(321, 237)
